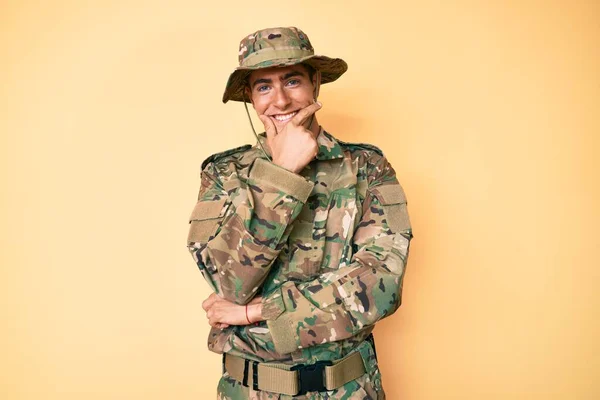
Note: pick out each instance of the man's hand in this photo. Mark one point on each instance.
(295, 146)
(222, 313)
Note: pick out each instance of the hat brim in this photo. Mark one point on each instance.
(330, 68)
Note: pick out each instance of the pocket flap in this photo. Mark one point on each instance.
(390, 194)
(209, 210)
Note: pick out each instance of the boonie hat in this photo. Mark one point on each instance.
(278, 47)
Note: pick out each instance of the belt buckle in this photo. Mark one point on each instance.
(311, 377)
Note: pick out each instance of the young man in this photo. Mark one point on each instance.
(303, 238)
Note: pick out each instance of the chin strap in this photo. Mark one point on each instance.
(254, 130)
(316, 93)
(318, 84)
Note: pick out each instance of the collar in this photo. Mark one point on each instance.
(329, 147)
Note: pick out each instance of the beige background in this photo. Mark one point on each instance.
(488, 112)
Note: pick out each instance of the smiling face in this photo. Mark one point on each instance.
(280, 92)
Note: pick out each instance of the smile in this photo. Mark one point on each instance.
(284, 117)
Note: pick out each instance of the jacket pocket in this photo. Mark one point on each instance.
(206, 219)
(393, 201)
(305, 252)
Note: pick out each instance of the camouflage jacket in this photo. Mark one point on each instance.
(326, 248)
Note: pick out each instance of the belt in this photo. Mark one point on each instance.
(295, 379)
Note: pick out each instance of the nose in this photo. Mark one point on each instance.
(282, 99)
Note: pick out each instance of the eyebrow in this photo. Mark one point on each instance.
(283, 78)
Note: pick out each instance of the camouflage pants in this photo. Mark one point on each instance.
(366, 387)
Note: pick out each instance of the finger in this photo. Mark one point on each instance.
(269, 126)
(305, 113)
(206, 304)
(221, 325)
(216, 324)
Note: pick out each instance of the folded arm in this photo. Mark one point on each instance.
(339, 304)
(235, 235)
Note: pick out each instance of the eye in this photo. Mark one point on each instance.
(293, 82)
(262, 88)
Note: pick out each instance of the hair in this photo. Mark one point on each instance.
(311, 70)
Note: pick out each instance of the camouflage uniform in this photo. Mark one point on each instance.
(326, 248)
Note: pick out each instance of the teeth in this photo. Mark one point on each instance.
(285, 117)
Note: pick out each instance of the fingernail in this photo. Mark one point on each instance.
(319, 104)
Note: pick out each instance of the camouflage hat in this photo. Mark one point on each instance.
(278, 47)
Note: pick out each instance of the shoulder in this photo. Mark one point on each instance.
(361, 148)
(365, 155)
(226, 155)
(373, 166)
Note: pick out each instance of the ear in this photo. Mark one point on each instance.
(316, 81)
(248, 95)
(316, 78)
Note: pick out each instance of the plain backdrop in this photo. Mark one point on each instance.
(488, 110)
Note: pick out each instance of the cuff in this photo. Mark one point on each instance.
(279, 321)
(276, 176)
(295, 322)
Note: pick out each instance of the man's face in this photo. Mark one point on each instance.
(280, 92)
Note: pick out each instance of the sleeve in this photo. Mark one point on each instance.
(234, 237)
(337, 305)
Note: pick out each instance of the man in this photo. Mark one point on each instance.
(303, 238)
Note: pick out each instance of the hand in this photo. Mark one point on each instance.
(295, 146)
(222, 313)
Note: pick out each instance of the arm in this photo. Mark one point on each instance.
(339, 304)
(236, 234)
(235, 248)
